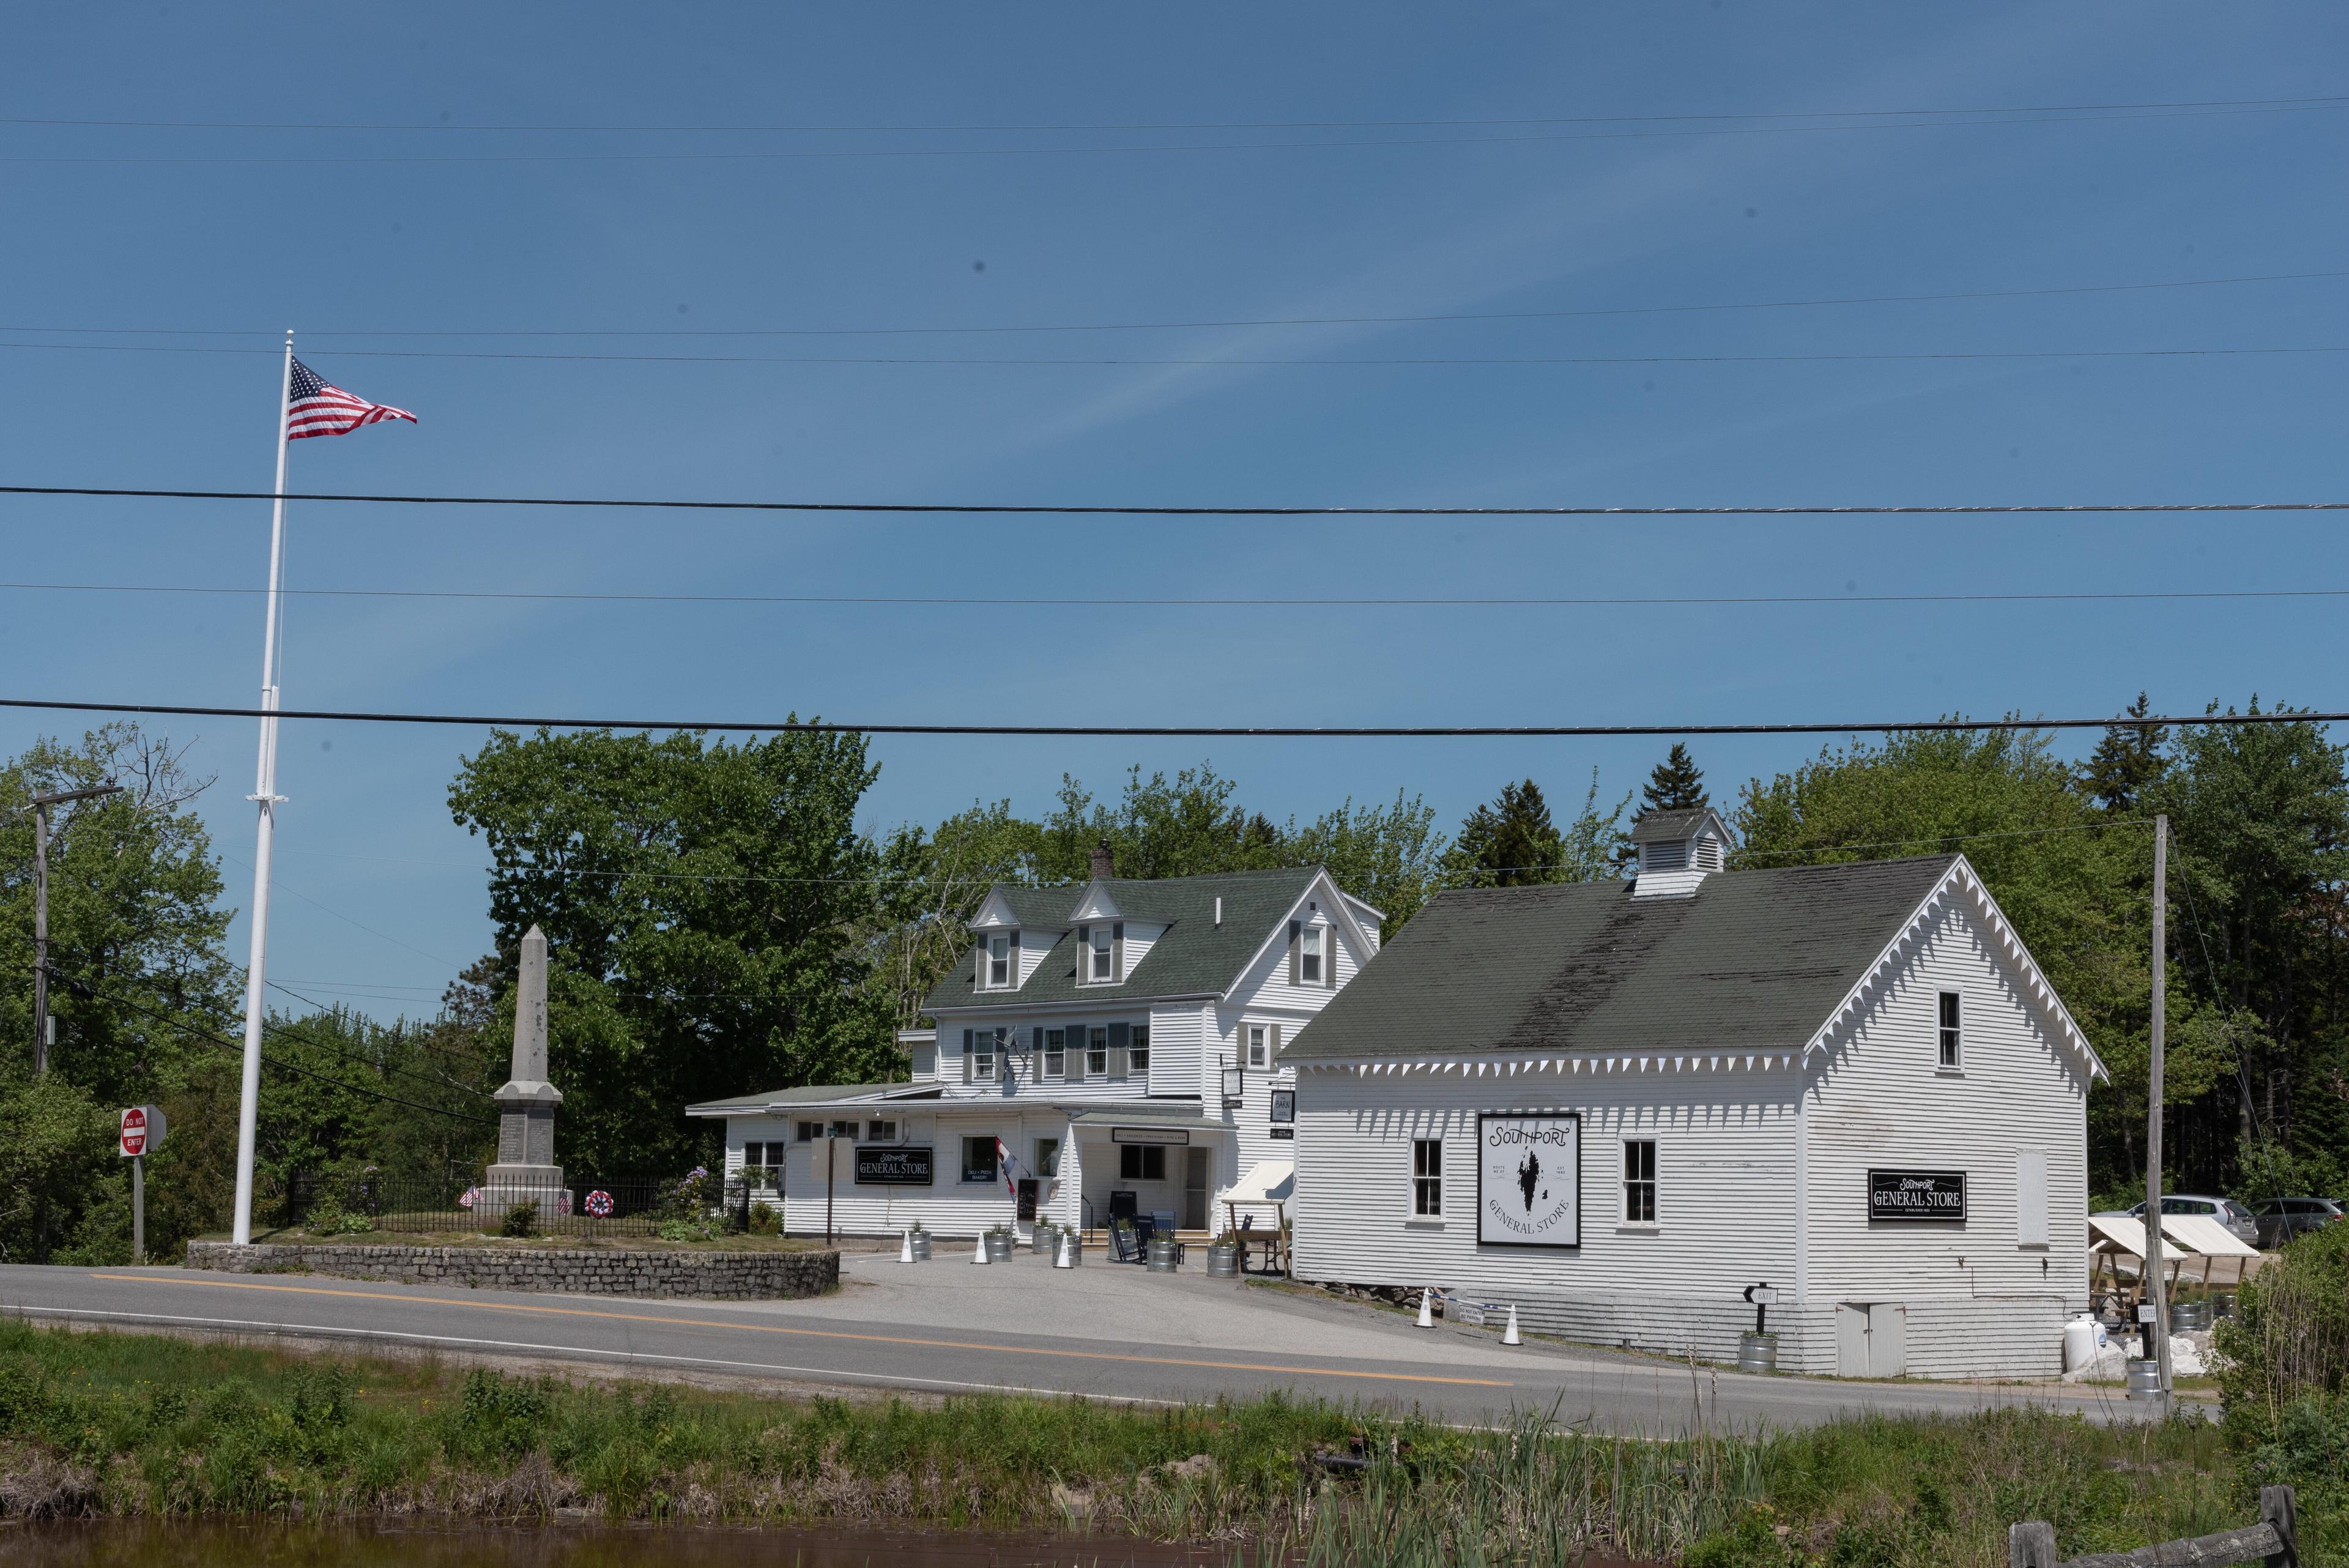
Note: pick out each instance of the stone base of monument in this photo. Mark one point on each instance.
(507, 1186)
(607, 1271)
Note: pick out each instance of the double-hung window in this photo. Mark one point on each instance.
(754, 1158)
(1097, 1051)
(1101, 954)
(1259, 1055)
(1309, 955)
(1427, 1175)
(1950, 1032)
(1639, 1182)
(808, 1132)
(982, 1056)
(998, 960)
(881, 1132)
(1137, 1055)
(1056, 1053)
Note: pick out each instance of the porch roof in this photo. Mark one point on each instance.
(813, 1097)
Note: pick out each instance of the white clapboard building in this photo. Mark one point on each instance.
(1103, 1048)
(1618, 1104)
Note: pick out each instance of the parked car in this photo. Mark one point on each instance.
(2226, 1211)
(2281, 1219)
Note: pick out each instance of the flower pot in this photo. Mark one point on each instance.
(999, 1246)
(1044, 1240)
(1223, 1262)
(1161, 1255)
(1757, 1352)
(2145, 1379)
(921, 1246)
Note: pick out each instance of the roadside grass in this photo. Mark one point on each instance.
(125, 1424)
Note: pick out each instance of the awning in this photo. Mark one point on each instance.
(1266, 1181)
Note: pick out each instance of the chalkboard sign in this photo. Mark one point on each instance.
(894, 1166)
(1916, 1195)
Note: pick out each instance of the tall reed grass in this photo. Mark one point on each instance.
(126, 1424)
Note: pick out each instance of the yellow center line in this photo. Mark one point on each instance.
(807, 1333)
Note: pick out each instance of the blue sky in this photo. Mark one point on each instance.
(1497, 159)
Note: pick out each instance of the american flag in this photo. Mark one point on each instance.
(314, 409)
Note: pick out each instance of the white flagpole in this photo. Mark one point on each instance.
(265, 795)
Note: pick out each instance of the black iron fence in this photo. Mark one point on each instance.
(687, 1208)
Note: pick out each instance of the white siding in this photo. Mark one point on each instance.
(1876, 1097)
(1725, 1167)
(1176, 1036)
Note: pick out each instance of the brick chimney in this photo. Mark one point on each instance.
(1103, 862)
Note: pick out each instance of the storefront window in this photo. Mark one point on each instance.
(979, 1158)
(1141, 1162)
(1048, 1157)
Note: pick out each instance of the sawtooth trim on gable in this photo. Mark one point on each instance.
(2002, 940)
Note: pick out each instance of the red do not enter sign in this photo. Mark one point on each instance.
(142, 1130)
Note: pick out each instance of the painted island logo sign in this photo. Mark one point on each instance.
(910, 1166)
(1916, 1195)
(1529, 1179)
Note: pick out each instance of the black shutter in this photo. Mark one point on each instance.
(968, 1036)
(1118, 1034)
(1294, 929)
(1117, 951)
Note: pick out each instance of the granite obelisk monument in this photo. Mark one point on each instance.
(525, 1171)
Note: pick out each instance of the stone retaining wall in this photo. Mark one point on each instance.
(602, 1272)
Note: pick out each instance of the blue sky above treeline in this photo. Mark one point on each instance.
(1308, 161)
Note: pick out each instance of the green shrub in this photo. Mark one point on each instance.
(1752, 1543)
(521, 1221)
(328, 1217)
(685, 1231)
(764, 1221)
(2283, 1373)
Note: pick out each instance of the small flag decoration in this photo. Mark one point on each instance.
(314, 408)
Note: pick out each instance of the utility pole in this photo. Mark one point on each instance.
(2157, 1290)
(40, 810)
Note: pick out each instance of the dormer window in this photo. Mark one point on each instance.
(998, 959)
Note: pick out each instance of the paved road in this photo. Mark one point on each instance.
(1109, 1333)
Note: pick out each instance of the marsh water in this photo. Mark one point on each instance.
(203, 1543)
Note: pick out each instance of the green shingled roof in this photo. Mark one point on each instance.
(1193, 956)
(1754, 960)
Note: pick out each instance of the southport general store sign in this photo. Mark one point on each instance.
(1916, 1195)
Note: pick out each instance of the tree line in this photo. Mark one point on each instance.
(719, 922)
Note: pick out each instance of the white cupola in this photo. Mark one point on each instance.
(1678, 850)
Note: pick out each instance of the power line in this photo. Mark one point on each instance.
(1919, 120)
(1083, 601)
(455, 127)
(970, 508)
(1225, 362)
(1195, 731)
(1212, 323)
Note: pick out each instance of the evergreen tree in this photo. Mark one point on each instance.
(2127, 761)
(1509, 843)
(1677, 784)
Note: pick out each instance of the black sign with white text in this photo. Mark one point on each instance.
(1916, 1195)
(881, 1165)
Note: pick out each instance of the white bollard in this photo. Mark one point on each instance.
(1427, 1307)
(1061, 1259)
(979, 1256)
(1510, 1335)
(905, 1251)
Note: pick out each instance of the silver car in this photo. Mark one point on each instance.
(2226, 1211)
(2281, 1219)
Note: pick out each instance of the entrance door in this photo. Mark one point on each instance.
(1195, 1187)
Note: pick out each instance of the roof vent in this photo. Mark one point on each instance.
(1104, 863)
(1678, 849)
